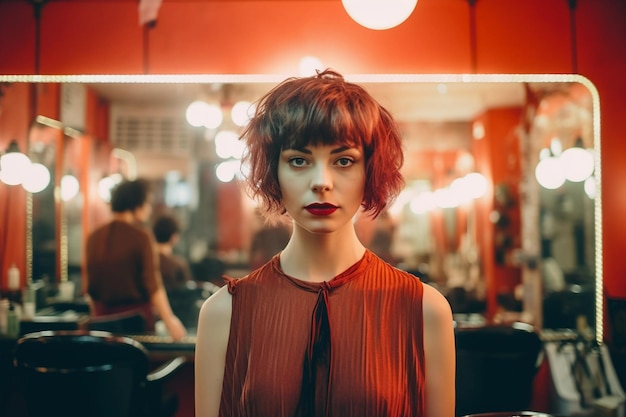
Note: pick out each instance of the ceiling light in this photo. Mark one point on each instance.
(379, 14)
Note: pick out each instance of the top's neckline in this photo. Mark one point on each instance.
(352, 272)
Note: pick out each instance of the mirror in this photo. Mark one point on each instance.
(44, 149)
(499, 254)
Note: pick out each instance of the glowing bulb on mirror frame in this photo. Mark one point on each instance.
(459, 187)
(214, 117)
(549, 173)
(404, 198)
(196, 113)
(14, 167)
(37, 178)
(556, 147)
(227, 171)
(544, 153)
(106, 185)
(200, 113)
(476, 184)
(242, 112)
(228, 145)
(69, 187)
(445, 198)
(577, 163)
(423, 203)
(590, 187)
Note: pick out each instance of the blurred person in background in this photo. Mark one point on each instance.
(175, 269)
(123, 265)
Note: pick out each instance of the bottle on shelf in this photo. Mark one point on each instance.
(13, 278)
(4, 312)
(13, 322)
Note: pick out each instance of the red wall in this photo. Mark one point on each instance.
(498, 157)
(256, 36)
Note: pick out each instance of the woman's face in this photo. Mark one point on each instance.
(322, 186)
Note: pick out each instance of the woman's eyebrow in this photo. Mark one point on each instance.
(340, 149)
(300, 149)
(308, 151)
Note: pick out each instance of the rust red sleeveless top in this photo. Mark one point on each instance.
(349, 347)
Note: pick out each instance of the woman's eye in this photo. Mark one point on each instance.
(297, 162)
(345, 162)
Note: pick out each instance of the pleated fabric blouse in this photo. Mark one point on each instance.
(348, 347)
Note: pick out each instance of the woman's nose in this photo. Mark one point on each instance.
(322, 180)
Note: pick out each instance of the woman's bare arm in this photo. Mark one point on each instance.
(210, 359)
(439, 349)
(162, 305)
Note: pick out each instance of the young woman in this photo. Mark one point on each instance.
(325, 328)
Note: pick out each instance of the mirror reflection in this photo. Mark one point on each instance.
(493, 213)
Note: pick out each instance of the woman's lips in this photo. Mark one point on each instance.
(321, 209)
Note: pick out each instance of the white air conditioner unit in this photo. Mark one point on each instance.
(155, 130)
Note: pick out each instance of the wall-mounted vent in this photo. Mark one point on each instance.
(151, 130)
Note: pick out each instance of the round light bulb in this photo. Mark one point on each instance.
(590, 187)
(423, 203)
(214, 116)
(379, 14)
(197, 112)
(476, 184)
(577, 164)
(309, 65)
(69, 187)
(226, 171)
(549, 173)
(37, 179)
(445, 198)
(14, 168)
(242, 112)
(228, 145)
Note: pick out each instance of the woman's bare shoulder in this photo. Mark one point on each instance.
(435, 306)
(218, 307)
(210, 355)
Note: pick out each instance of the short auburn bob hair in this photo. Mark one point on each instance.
(323, 109)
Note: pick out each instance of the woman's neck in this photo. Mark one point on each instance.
(320, 257)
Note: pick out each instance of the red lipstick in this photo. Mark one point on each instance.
(321, 209)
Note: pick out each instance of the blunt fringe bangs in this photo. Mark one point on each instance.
(322, 110)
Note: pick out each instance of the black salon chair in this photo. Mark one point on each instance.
(41, 323)
(511, 414)
(125, 323)
(96, 374)
(186, 302)
(616, 308)
(495, 368)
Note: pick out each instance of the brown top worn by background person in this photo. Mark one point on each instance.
(376, 344)
(122, 264)
(175, 271)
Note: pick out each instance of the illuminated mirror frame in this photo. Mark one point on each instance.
(377, 78)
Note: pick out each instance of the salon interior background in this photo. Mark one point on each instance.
(586, 37)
